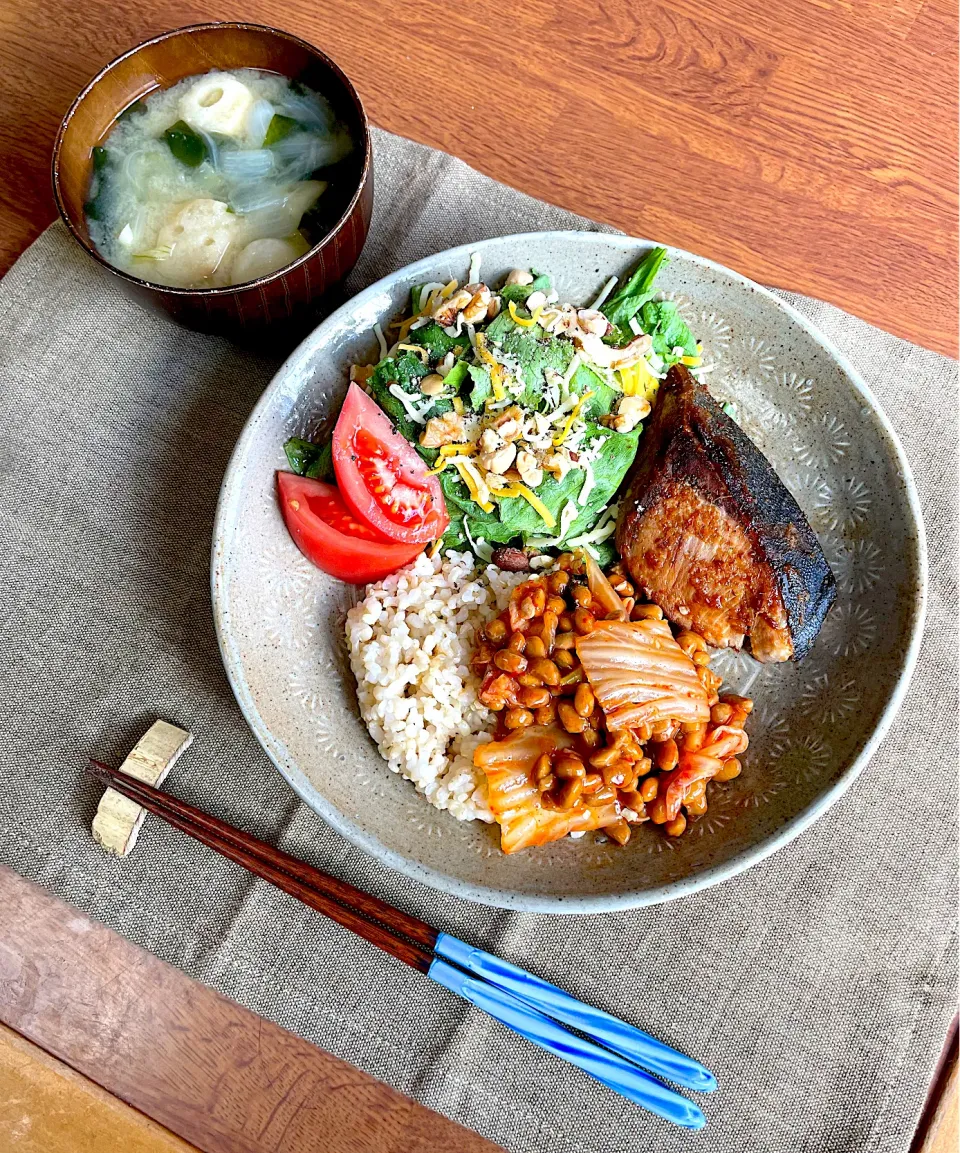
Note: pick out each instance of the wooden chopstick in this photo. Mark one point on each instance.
(615, 1053)
(401, 935)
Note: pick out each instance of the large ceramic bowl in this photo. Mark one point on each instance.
(280, 621)
(290, 298)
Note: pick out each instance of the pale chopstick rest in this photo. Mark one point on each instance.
(118, 819)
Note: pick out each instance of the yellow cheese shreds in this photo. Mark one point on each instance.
(418, 349)
(532, 499)
(458, 405)
(427, 306)
(405, 328)
(496, 369)
(534, 317)
(450, 450)
(694, 361)
(568, 423)
(638, 380)
(471, 478)
(434, 548)
(484, 353)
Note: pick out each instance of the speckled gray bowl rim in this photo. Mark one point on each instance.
(500, 898)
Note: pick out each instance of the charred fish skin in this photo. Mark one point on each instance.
(692, 447)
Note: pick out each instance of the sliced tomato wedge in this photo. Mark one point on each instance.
(328, 533)
(382, 477)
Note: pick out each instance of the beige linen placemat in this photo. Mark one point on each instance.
(818, 986)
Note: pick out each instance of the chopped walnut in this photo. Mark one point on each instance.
(441, 430)
(607, 355)
(490, 440)
(445, 312)
(509, 423)
(519, 276)
(630, 411)
(361, 373)
(593, 321)
(476, 310)
(529, 468)
(499, 460)
(558, 464)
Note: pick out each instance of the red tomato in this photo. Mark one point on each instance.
(381, 475)
(327, 533)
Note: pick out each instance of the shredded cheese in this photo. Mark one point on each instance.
(447, 451)
(568, 514)
(496, 369)
(568, 424)
(448, 290)
(409, 407)
(537, 505)
(603, 530)
(417, 348)
(378, 333)
(405, 328)
(638, 380)
(515, 490)
(480, 547)
(589, 480)
(605, 292)
(534, 316)
(691, 361)
(483, 352)
(474, 268)
(474, 482)
(572, 367)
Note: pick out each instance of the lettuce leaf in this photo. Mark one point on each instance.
(604, 397)
(516, 518)
(456, 376)
(535, 351)
(635, 291)
(436, 342)
(405, 370)
(311, 458)
(482, 388)
(662, 319)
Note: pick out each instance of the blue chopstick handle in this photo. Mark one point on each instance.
(618, 1074)
(624, 1039)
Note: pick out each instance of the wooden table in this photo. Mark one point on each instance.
(809, 145)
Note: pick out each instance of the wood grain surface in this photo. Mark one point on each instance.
(216, 1075)
(45, 1107)
(811, 145)
(944, 1133)
(939, 1127)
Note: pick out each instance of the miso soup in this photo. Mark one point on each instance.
(219, 180)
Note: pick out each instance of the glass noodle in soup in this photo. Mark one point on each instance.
(219, 180)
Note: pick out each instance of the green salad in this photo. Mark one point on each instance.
(527, 409)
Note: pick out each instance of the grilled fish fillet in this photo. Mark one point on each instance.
(711, 535)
